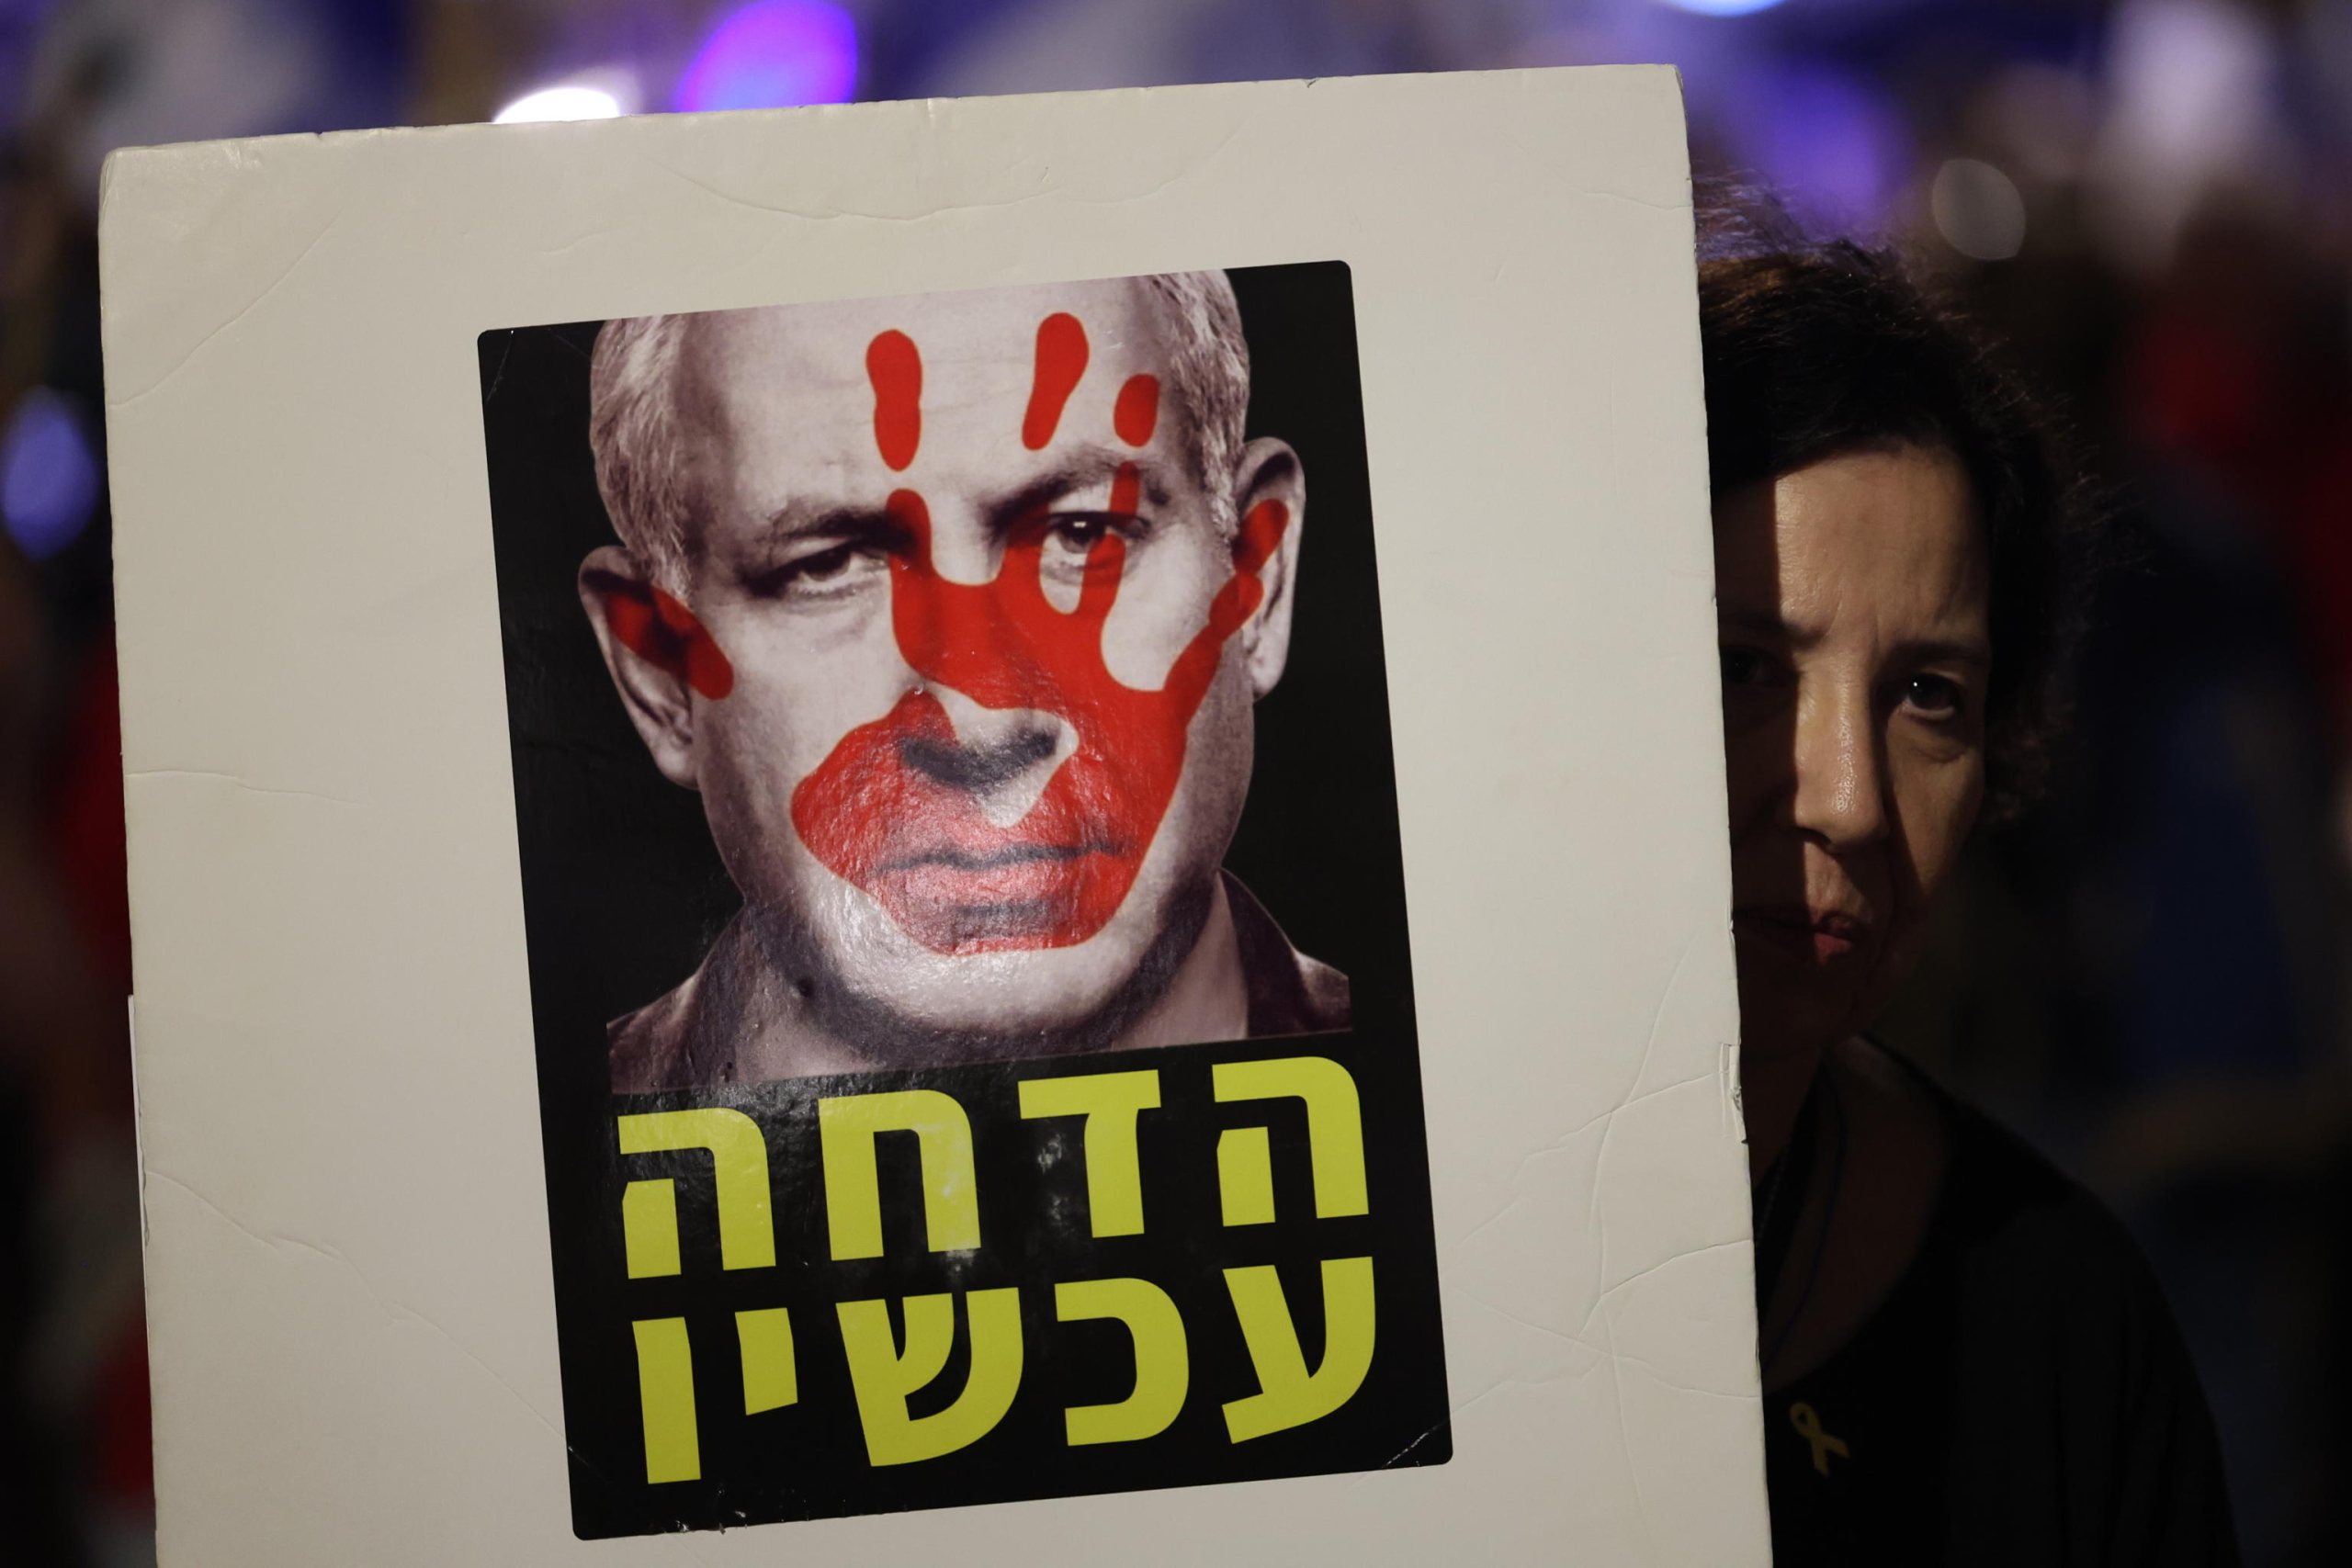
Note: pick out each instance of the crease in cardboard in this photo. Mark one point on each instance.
(142, 774)
(394, 1310)
(131, 399)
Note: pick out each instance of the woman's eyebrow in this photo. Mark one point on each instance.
(1977, 654)
(1758, 624)
(1768, 626)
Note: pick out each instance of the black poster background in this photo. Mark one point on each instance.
(623, 891)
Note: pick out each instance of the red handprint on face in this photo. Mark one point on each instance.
(657, 628)
(896, 808)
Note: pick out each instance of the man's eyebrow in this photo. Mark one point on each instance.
(796, 521)
(1085, 470)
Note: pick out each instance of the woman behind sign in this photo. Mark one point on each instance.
(1965, 1359)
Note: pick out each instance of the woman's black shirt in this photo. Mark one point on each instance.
(2022, 1398)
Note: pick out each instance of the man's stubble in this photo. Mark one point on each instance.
(874, 1029)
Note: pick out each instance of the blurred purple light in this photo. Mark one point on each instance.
(1723, 7)
(772, 54)
(49, 476)
(1831, 142)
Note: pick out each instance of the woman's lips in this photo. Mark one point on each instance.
(1817, 938)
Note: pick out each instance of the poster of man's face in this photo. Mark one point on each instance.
(954, 611)
(919, 704)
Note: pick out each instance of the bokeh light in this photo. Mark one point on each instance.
(1721, 8)
(1977, 210)
(49, 476)
(570, 102)
(771, 54)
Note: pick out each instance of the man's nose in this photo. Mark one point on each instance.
(963, 547)
(1004, 756)
(1840, 790)
(979, 765)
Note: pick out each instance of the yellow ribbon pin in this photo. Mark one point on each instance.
(1808, 1425)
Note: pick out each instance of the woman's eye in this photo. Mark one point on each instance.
(1934, 696)
(1742, 666)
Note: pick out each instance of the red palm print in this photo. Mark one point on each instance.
(896, 809)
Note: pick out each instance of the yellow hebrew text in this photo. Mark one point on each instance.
(771, 1377)
(1245, 1177)
(738, 1160)
(1110, 1102)
(1334, 1121)
(665, 1394)
(846, 1127)
(883, 1376)
(1162, 1370)
(649, 1227)
(1289, 1395)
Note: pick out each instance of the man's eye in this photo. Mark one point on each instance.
(1936, 696)
(824, 574)
(1078, 532)
(826, 565)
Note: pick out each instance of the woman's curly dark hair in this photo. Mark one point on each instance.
(1814, 348)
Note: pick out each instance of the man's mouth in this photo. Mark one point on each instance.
(877, 813)
(1005, 891)
(1799, 932)
(967, 860)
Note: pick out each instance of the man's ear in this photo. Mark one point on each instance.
(660, 656)
(1271, 495)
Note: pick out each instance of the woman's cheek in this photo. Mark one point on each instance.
(1755, 765)
(1959, 793)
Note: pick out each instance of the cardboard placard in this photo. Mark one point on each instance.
(838, 814)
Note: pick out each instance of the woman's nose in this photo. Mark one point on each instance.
(1841, 787)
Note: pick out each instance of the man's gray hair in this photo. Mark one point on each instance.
(642, 459)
